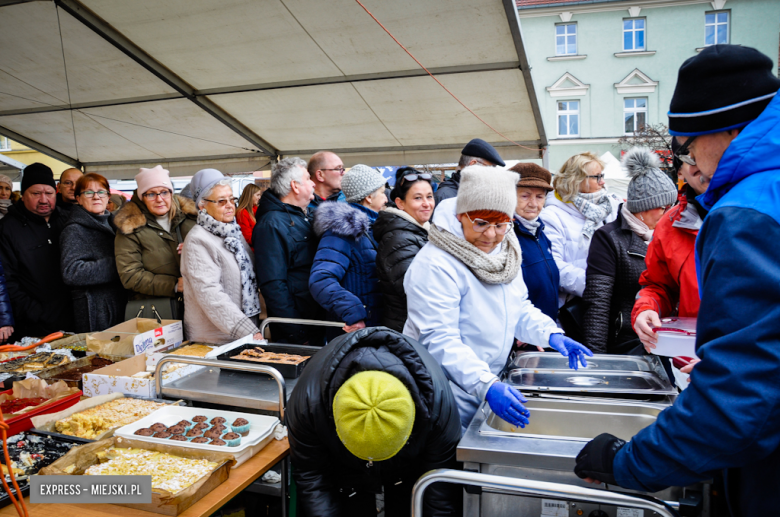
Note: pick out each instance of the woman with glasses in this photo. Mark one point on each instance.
(343, 277)
(151, 228)
(247, 208)
(468, 302)
(579, 205)
(617, 256)
(220, 287)
(400, 234)
(87, 258)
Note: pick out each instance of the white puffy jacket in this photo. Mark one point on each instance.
(468, 326)
(563, 226)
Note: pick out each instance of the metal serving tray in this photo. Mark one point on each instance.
(606, 362)
(591, 381)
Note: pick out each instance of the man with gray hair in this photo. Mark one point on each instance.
(285, 246)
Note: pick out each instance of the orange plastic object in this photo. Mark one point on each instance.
(47, 339)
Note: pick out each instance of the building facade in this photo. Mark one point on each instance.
(25, 155)
(602, 69)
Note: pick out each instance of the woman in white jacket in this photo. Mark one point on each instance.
(467, 300)
(579, 205)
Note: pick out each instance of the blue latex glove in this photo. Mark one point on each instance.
(571, 349)
(507, 403)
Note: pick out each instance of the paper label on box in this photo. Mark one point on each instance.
(159, 339)
(630, 512)
(553, 508)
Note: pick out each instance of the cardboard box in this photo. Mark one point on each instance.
(137, 336)
(78, 459)
(118, 378)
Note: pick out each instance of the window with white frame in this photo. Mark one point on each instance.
(566, 39)
(5, 144)
(634, 34)
(716, 28)
(634, 114)
(568, 118)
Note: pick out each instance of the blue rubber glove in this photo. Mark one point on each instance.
(571, 349)
(507, 403)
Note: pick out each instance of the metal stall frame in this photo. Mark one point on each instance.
(528, 487)
(316, 323)
(273, 372)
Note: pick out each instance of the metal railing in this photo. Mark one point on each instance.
(228, 365)
(295, 321)
(528, 487)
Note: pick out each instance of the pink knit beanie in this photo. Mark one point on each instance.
(150, 178)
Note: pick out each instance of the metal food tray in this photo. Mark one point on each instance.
(8, 383)
(604, 362)
(261, 429)
(87, 440)
(52, 373)
(288, 371)
(596, 381)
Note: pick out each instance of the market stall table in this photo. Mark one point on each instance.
(239, 479)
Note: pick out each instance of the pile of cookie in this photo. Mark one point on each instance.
(200, 430)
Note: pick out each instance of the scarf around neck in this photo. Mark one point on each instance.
(637, 225)
(532, 225)
(500, 268)
(595, 207)
(5, 204)
(234, 242)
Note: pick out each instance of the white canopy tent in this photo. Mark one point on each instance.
(113, 85)
(615, 175)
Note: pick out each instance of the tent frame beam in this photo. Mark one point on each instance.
(16, 137)
(111, 35)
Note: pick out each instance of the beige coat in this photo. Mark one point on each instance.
(212, 290)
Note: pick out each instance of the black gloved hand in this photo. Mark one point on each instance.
(595, 459)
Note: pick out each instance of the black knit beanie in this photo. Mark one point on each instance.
(37, 174)
(723, 87)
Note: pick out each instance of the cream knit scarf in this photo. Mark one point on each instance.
(500, 268)
(637, 225)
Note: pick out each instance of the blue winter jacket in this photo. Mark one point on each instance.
(343, 277)
(6, 314)
(728, 420)
(540, 273)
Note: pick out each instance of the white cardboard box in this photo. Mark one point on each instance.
(118, 378)
(130, 340)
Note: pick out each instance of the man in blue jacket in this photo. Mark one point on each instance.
(726, 114)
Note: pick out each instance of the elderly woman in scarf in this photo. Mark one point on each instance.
(220, 290)
(579, 205)
(467, 300)
(6, 186)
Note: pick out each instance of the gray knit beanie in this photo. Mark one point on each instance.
(650, 187)
(361, 181)
(487, 188)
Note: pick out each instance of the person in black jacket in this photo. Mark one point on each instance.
(331, 479)
(6, 314)
(616, 258)
(476, 152)
(88, 263)
(30, 253)
(66, 190)
(285, 245)
(400, 234)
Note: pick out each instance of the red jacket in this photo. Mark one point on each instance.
(670, 277)
(247, 225)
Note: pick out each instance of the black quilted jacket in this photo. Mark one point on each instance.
(615, 261)
(398, 240)
(330, 480)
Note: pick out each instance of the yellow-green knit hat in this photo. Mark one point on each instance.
(374, 415)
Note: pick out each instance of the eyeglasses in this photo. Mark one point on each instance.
(480, 226)
(222, 202)
(682, 152)
(340, 169)
(102, 194)
(151, 196)
(597, 177)
(415, 177)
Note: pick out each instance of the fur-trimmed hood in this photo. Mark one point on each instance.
(342, 219)
(134, 214)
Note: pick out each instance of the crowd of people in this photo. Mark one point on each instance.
(495, 258)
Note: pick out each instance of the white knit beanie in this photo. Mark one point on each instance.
(487, 188)
(361, 181)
